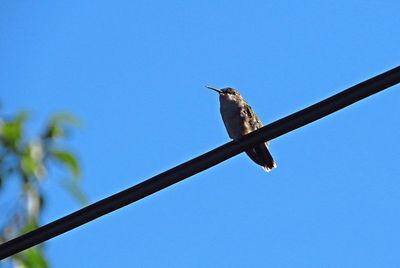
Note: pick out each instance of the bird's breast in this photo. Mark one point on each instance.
(233, 119)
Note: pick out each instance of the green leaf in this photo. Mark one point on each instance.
(22, 117)
(74, 189)
(32, 257)
(32, 160)
(65, 118)
(58, 123)
(68, 159)
(28, 165)
(31, 225)
(11, 130)
(53, 131)
(35, 258)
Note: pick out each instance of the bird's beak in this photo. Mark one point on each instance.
(215, 89)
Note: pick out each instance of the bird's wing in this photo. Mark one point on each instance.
(254, 121)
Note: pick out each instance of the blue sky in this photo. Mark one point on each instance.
(134, 72)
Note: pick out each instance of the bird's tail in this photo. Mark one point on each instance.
(261, 155)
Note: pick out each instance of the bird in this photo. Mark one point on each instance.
(240, 119)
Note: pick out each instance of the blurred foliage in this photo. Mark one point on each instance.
(28, 161)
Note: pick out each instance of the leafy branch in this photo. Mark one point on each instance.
(28, 161)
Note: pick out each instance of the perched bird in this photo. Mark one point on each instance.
(240, 119)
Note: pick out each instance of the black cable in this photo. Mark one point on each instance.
(200, 163)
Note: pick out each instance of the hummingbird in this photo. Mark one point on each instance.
(239, 120)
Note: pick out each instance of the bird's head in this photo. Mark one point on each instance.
(227, 93)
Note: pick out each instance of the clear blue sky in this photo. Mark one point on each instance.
(135, 71)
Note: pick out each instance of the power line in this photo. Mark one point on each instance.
(202, 162)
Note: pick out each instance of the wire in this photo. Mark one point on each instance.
(201, 163)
